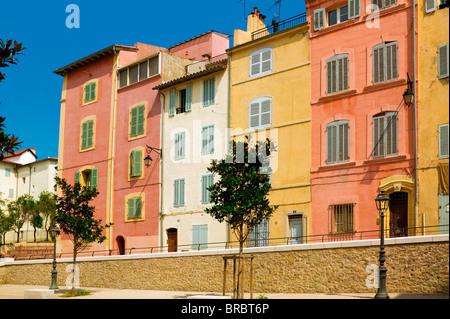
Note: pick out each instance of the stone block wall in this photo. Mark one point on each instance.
(415, 265)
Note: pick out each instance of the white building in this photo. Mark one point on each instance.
(22, 173)
(194, 122)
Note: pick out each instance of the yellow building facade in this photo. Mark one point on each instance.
(270, 98)
(433, 115)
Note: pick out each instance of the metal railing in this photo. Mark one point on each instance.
(322, 238)
(278, 26)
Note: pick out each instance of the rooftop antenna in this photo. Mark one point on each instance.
(244, 9)
(279, 9)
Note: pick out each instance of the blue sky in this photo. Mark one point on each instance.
(31, 92)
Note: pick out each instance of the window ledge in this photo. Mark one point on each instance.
(386, 159)
(338, 95)
(384, 85)
(337, 166)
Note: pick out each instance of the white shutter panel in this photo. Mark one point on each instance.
(443, 61)
(265, 112)
(255, 63)
(266, 63)
(254, 115)
(354, 8)
(319, 19)
(443, 141)
(430, 6)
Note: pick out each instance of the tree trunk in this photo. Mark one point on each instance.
(239, 285)
(74, 267)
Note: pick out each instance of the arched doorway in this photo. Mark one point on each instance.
(172, 240)
(398, 221)
(120, 245)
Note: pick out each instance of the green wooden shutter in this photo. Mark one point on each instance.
(93, 90)
(138, 207)
(172, 102)
(94, 178)
(188, 97)
(87, 93)
(90, 133)
(136, 163)
(133, 123)
(131, 207)
(77, 177)
(140, 120)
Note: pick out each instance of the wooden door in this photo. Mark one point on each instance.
(398, 224)
(172, 240)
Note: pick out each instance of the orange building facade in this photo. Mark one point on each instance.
(362, 131)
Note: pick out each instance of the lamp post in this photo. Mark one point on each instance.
(54, 233)
(382, 202)
(408, 96)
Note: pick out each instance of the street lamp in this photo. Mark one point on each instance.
(408, 96)
(148, 160)
(54, 233)
(382, 202)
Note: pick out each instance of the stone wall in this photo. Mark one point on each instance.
(415, 265)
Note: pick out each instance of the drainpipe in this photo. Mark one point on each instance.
(161, 216)
(416, 166)
(228, 125)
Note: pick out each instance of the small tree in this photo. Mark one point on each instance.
(36, 221)
(46, 206)
(240, 195)
(5, 226)
(20, 211)
(75, 217)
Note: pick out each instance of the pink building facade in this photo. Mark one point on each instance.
(362, 132)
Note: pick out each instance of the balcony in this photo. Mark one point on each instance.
(279, 26)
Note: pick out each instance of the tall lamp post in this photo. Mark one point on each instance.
(382, 202)
(54, 233)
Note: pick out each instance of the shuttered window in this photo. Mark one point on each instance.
(337, 142)
(337, 74)
(208, 92)
(199, 237)
(178, 192)
(443, 141)
(382, 4)
(385, 134)
(172, 101)
(134, 207)
(443, 71)
(139, 72)
(93, 178)
(188, 97)
(261, 62)
(87, 134)
(90, 92)
(354, 8)
(180, 143)
(430, 6)
(136, 163)
(319, 19)
(207, 181)
(385, 65)
(341, 218)
(208, 140)
(260, 113)
(259, 235)
(137, 120)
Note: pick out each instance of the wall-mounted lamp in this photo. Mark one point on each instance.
(408, 96)
(148, 160)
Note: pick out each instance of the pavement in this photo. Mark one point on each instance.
(18, 291)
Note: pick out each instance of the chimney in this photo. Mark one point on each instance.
(256, 12)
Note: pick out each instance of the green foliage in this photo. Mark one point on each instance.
(240, 195)
(20, 211)
(46, 206)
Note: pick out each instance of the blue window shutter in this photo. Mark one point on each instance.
(172, 102)
(195, 237)
(203, 236)
(188, 97)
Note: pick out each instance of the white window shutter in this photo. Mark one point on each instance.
(430, 6)
(319, 19)
(354, 10)
(443, 71)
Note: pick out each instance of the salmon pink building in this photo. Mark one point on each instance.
(362, 131)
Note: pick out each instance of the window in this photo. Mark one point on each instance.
(136, 163)
(261, 62)
(443, 61)
(385, 62)
(199, 237)
(11, 193)
(178, 192)
(385, 135)
(90, 92)
(319, 19)
(354, 8)
(139, 72)
(87, 178)
(207, 181)
(430, 6)
(382, 4)
(180, 142)
(208, 92)
(208, 140)
(137, 120)
(337, 74)
(342, 218)
(443, 141)
(260, 112)
(260, 234)
(266, 167)
(134, 208)
(337, 142)
(7, 171)
(87, 135)
(338, 15)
